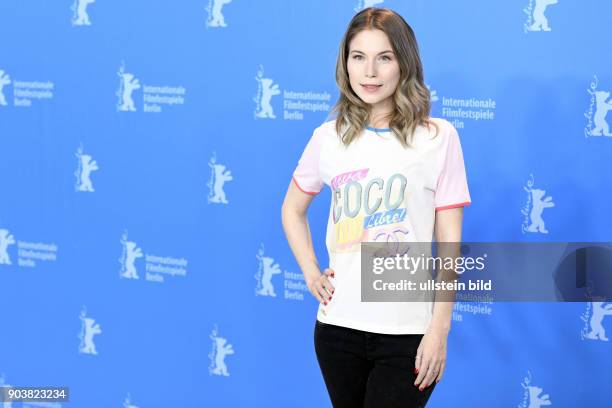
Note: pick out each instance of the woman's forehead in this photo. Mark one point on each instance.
(370, 41)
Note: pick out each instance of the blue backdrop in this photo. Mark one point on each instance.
(145, 150)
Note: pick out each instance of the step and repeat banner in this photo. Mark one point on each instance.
(145, 150)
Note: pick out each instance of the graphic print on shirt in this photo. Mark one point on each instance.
(368, 209)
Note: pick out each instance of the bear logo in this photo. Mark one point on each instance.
(433, 94)
(89, 329)
(5, 79)
(533, 395)
(219, 177)
(266, 270)
(128, 84)
(535, 399)
(537, 18)
(223, 350)
(127, 403)
(269, 269)
(599, 311)
(220, 349)
(538, 204)
(86, 166)
(80, 16)
(603, 105)
(6, 239)
(216, 18)
(266, 90)
(130, 253)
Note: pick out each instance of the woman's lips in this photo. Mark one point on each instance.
(371, 88)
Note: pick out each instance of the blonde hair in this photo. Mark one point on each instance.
(411, 99)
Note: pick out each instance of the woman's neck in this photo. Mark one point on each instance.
(379, 116)
(379, 122)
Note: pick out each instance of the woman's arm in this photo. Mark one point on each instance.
(431, 355)
(448, 232)
(295, 224)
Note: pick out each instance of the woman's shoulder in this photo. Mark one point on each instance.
(443, 130)
(329, 126)
(326, 131)
(444, 125)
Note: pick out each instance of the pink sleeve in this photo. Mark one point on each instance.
(452, 189)
(306, 175)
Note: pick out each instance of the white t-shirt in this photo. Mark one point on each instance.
(381, 191)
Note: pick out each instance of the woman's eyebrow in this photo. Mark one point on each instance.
(380, 53)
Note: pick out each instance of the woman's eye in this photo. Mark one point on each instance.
(383, 58)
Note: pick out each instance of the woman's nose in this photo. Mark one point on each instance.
(370, 69)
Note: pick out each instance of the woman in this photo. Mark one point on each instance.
(396, 175)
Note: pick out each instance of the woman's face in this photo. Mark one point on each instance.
(373, 69)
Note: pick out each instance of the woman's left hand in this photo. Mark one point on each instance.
(430, 358)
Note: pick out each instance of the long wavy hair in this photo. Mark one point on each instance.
(411, 99)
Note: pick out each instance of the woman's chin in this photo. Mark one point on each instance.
(370, 99)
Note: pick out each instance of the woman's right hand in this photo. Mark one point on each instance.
(321, 287)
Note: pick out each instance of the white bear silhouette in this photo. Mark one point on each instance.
(540, 22)
(597, 329)
(269, 269)
(81, 16)
(433, 94)
(91, 329)
(4, 80)
(221, 176)
(87, 166)
(129, 85)
(538, 206)
(268, 91)
(535, 400)
(222, 350)
(131, 253)
(127, 403)
(217, 19)
(6, 239)
(602, 108)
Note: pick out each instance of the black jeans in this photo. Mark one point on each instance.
(367, 370)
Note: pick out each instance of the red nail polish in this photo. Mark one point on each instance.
(325, 303)
(421, 389)
(416, 371)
